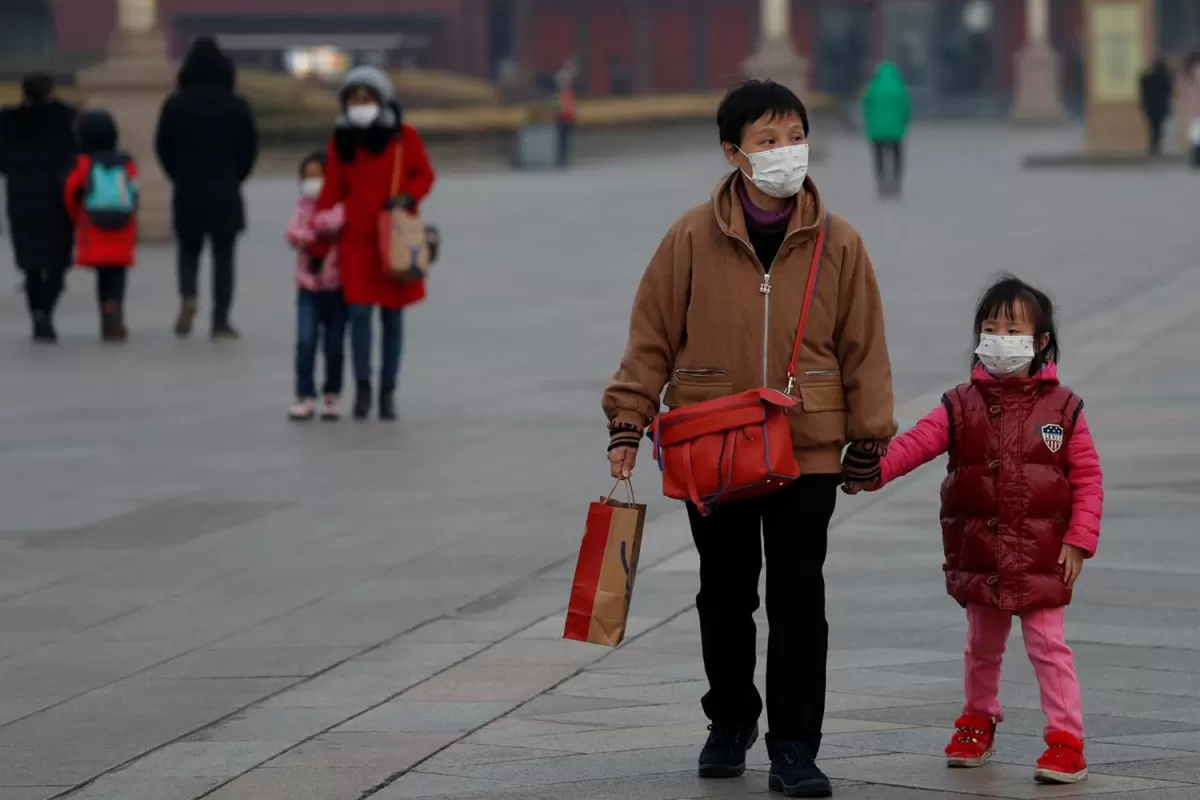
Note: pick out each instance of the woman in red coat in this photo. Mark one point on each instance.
(361, 168)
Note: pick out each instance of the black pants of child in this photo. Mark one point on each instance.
(190, 248)
(110, 285)
(791, 527)
(889, 165)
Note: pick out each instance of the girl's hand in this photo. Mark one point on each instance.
(1070, 558)
(853, 487)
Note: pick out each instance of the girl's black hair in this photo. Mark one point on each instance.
(1002, 300)
(315, 157)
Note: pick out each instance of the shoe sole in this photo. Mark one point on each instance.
(970, 763)
(301, 417)
(804, 789)
(722, 771)
(330, 417)
(1050, 776)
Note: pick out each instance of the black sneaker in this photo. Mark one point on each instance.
(387, 403)
(43, 331)
(724, 754)
(794, 771)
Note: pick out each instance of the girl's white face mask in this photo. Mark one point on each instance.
(780, 172)
(311, 187)
(363, 116)
(1004, 355)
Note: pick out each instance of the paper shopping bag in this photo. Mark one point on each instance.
(612, 540)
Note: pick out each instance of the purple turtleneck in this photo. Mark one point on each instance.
(762, 220)
(766, 229)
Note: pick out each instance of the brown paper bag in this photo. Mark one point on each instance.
(604, 574)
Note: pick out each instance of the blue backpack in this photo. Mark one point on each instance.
(110, 197)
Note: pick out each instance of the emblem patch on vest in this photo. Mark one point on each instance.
(1052, 435)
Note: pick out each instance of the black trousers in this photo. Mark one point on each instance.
(1156, 134)
(792, 527)
(190, 248)
(43, 288)
(110, 285)
(889, 164)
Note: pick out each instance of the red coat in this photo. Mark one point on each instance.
(363, 187)
(96, 247)
(1007, 500)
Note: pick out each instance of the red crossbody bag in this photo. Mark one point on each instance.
(736, 447)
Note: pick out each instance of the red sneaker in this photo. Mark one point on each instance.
(1063, 760)
(973, 742)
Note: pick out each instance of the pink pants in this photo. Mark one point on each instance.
(1053, 663)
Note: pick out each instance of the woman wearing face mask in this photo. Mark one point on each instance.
(1021, 510)
(716, 314)
(361, 174)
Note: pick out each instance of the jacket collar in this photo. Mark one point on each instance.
(731, 219)
(1046, 378)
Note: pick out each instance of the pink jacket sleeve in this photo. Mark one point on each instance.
(329, 221)
(916, 447)
(299, 231)
(1087, 489)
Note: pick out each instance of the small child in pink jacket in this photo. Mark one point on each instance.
(1021, 508)
(320, 309)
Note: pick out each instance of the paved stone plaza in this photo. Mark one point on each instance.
(199, 599)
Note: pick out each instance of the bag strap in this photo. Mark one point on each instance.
(397, 165)
(809, 290)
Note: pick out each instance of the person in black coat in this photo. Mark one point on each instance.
(1157, 88)
(207, 144)
(37, 151)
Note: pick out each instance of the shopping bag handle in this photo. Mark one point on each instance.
(628, 490)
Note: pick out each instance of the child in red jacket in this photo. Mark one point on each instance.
(1021, 509)
(102, 199)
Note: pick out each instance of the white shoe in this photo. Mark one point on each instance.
(304, 410)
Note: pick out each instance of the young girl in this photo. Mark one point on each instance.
(101, 196)
(320, 309)
(1021, 511)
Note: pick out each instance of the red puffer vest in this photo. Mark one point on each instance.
(1006, 501)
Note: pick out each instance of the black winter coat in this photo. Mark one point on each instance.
(207, 144)
(37, 152)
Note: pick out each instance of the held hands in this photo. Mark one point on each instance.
(403, 201)
(1070, 558)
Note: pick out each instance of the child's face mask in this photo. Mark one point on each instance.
(1004, 355)
(311, 187)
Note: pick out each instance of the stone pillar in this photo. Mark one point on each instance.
(776, 57)
(130, 84)
(1038, 96)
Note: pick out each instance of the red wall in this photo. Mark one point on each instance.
(672, 61)
(610, 33)
(552, 31)
(731, 37)
(83, 26)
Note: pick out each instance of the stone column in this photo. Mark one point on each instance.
(776, 57)
(131, 84)
(1038, 96)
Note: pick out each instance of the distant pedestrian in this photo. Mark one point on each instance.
(717, 313)
(1157, 87)
(374, 162)
(320, 306)
(1021, 511)
(887, 109)
(1190, 111)
(566, 115)
(102, 198)
(37, 150)
(207, 144)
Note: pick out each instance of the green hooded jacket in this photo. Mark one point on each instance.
(886, 105)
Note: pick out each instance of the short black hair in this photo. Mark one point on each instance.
(1002, 299)
(37, 87)
(315, 157)
(746, 104)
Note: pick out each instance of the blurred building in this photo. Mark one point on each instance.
(956, 54)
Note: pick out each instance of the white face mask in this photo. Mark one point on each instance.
(311, 187)
(1004, 355)
(363, 116)
(780, 172)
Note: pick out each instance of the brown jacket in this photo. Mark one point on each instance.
(705, 307)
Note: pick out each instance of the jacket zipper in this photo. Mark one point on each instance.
(765, 289)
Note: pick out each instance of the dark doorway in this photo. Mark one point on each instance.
(26, 29)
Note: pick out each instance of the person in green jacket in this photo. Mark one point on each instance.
(887, 108)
